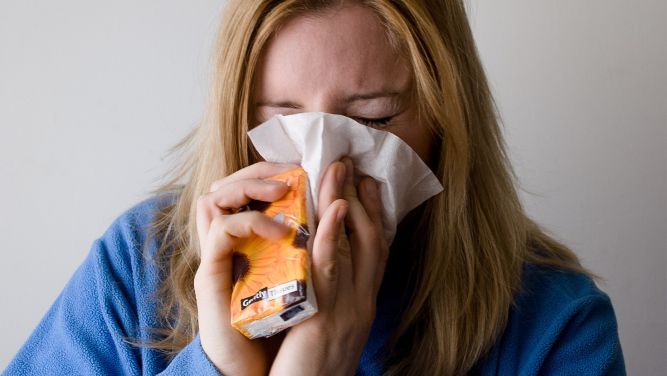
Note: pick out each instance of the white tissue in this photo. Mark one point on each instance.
(314, 140)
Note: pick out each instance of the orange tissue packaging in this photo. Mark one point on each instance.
(273, 288)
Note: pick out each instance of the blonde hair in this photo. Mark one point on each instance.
(478, 236)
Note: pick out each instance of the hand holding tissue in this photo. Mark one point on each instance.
(314, 140)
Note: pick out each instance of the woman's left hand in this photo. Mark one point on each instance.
(348, 262)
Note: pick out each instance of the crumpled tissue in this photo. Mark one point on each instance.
(315, 139)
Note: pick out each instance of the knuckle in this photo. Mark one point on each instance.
(219, 224)
(376, 236)
(330, 271)
(329, 236)
(247, 221)
(244, 189)
(202, 202)
(254, 216)
(205, 204)
(344, 247)
(216, 185)
(345, 252)
(350, 192)
(370, 237)
(267, 166)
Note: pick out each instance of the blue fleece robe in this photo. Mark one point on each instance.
(561, 323)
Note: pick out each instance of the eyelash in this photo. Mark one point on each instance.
(376, 123)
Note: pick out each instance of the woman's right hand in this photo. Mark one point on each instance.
(220, 229)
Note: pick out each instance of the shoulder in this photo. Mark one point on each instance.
(107, 304)
(130, 231)
(123, 253)
(560, 322)
(121, 266)
(137, 219)
(551, 291)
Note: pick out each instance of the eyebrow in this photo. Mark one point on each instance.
(348, 100)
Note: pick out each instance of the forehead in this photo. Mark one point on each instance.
(343, 51)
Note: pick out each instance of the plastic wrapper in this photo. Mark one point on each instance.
(273, 287)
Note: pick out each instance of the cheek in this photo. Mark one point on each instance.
(419, 138)
(265, 113)
(422, 143)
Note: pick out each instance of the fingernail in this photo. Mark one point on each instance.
(349, 169)
(371, 188)
(341, 213)
(340, 176)
(348, 163)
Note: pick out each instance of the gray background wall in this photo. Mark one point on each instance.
(92, 94)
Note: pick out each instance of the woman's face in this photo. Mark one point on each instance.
(340, 62)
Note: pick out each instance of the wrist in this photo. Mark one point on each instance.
(320, 352)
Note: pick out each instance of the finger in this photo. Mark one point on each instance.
(326, 265)
(234, 195)
(205, 214)
(348, 185)
(259, 170)
(373, 261)
(227, 231)
(370, 199)
(346, 251)
(357, 218)
(360, 229)
(331, 187)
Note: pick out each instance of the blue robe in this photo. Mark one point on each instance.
(560, 324)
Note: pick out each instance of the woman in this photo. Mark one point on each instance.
(469, 285)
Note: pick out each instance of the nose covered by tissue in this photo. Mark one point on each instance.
(314, 140)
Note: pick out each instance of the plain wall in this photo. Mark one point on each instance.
(93, 94)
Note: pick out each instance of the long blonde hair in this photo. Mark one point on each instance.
(478, 238)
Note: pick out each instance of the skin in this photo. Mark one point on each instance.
(296, 74)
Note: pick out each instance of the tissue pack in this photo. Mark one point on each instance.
(272, 283)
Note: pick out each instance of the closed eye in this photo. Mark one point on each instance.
(376, 123)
